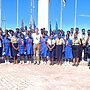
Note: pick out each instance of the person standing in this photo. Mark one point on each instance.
(83, 44)
(75, 47)
(68, 49)
(51, 46)
(29, 48)
(21, 43)
(59, 48)
(43, 46)
(6, 48)
(15, 48)
(0, 43)
(36, 46)
(88, 48)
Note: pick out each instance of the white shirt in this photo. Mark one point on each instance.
(89, 41)
(36, 38)
(0, 43)
(51, 42)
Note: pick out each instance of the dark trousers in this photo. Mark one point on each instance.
(0, 51)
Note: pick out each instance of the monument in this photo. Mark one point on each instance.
(43, 13)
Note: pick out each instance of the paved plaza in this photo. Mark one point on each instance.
(44, 77)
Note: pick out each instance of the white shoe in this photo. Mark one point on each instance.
(35, 62)
(44, 63)
(22, 62)
(8, 62)
(5, 62)
(28, 62)
(38, 63)
(65, 63)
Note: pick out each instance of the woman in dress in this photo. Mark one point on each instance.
(43, 46)
(29, 48)
(68, 49)
(6, 48)
(21, 43)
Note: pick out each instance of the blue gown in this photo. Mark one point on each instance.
(43, 47)
(29, 46)
(7, 49)
(68, 50)
(21, 43)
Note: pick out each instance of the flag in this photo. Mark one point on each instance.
(64, 2)
(22, 26)
(34, 25)
(56, 27)
(49, 1)
(50, 29)
(30, 24)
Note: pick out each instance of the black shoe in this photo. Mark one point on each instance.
(35, 63)
(53, 64)
(76, 65)
(73, 64)
(89, 64)
(89, 67)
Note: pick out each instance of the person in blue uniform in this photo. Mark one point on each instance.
(1, 42)
(29, 48)
(59, 49)
(6, 48)
(43, 45)
(51, 46)
(21, 43)
(68, 48)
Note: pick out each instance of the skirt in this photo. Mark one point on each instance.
(68, 52)
(76, 51)
(15, 52)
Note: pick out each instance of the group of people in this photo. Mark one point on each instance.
(37, 46)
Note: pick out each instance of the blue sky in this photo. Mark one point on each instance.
(83, 9)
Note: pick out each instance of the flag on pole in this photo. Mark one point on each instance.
(56, 27)
(34, 25)
(64, 2)
(49, 1)
(22, 26)
(30, 24)
(50, 28)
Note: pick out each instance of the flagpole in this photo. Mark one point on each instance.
(75, 18)
(3, 20)
(17, 13)
(61, 15)
(31, 12)
(33, 7)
